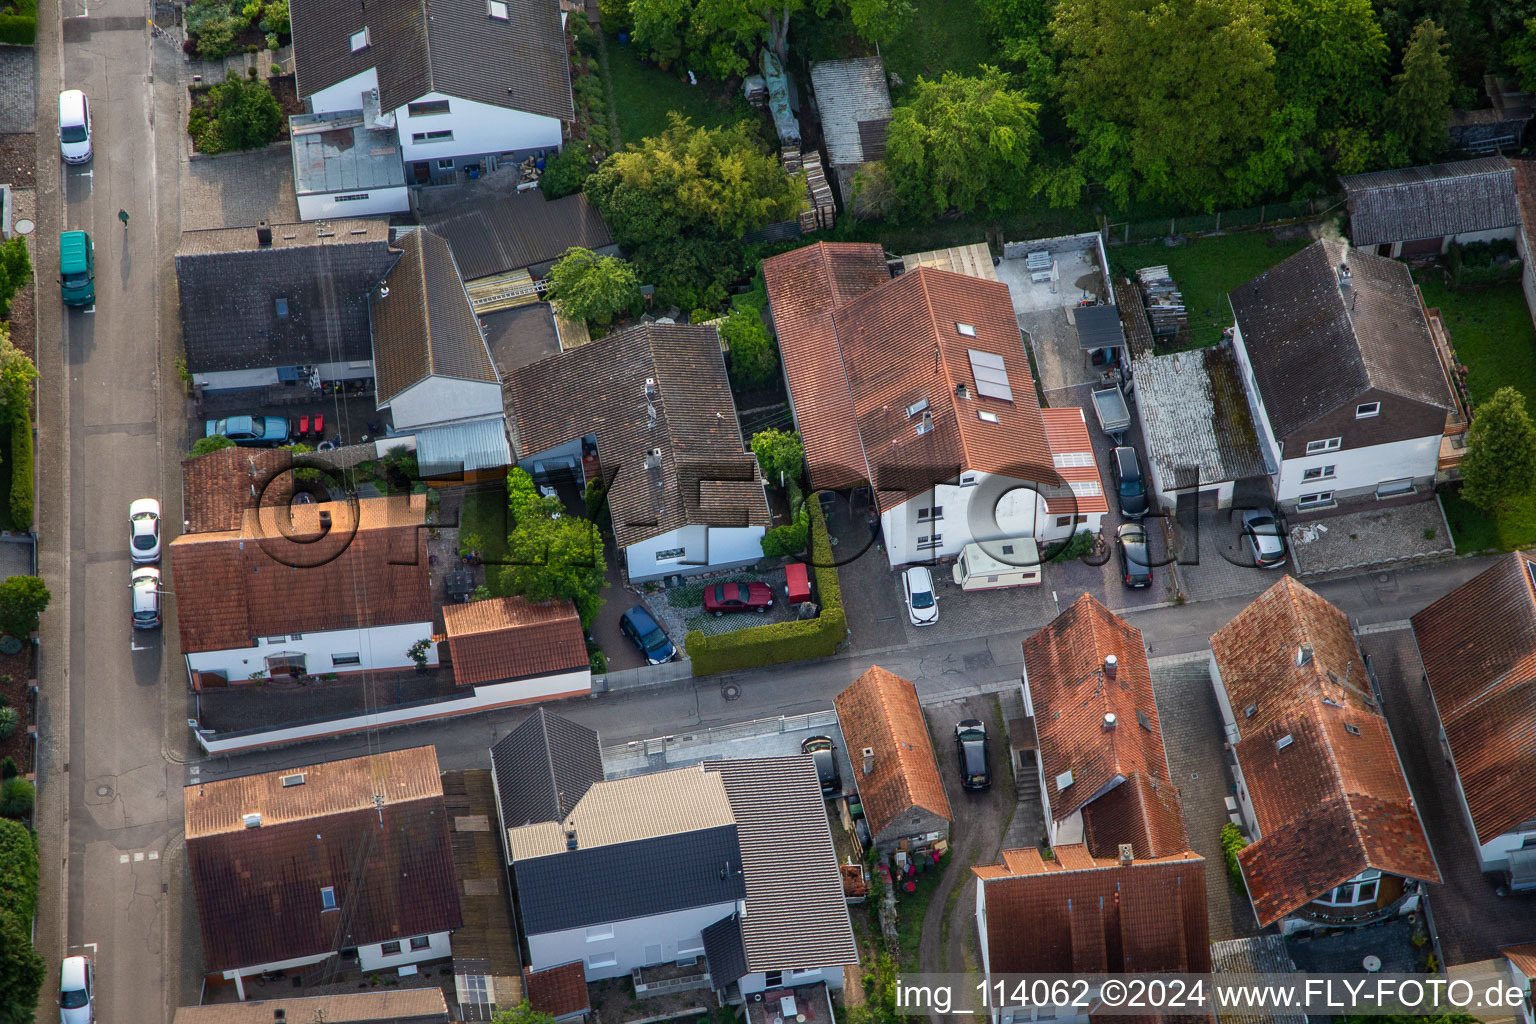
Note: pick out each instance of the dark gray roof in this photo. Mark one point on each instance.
(855, 108)
(425, 326)
(453, 47)
(231, 285)
(520, 335)
(724, 951)
(543, 768)
(797, 915)
(1311, 353)
(620, 881)
(518, 231)
(1259, 954)
(1099, 327)
(1428, 202)
(1194, 413)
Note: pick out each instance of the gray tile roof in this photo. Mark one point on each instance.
(425, 326)
(1195, 414)
(1428, 202)
(1258, 954)
(725, 952)
(543, 767)
(1312, 353)
(855, 108)
(518, 231)
(704, 475)
(449, 46)
(230, 286)
(520, 335)
(797, 915)
(337, 152)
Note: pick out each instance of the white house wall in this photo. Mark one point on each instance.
(438, 400)
(1494, 854)
(478, 128)
(366, 202)
(702, 548)
(372, 958)
(962, 524)
(1359, 470)
(378, 647)
(637, 942)
(346, 94)
(831, 976)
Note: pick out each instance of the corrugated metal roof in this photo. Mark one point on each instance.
(1196, 413)
(1099, 326)
(1432, 201)
(630, 810)
(855, 106)
(455, 448)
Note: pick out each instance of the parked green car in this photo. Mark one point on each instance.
(77, 268)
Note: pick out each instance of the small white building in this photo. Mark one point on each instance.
(347, 860)
(346, 163)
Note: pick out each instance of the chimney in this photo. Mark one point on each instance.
(570, 839)
(869, 760)
(1111, 666)
(1109, 720)
(263, 234)
(1127, 854)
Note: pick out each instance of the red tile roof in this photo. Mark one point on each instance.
(511, 638)
(1071, 694)
(1479, 648)
(559, 991)
(880, 710)
(1522, 956)
(217, 488)
(294, 575)
(1081, 914)
(1066, 431)
(1326, 784)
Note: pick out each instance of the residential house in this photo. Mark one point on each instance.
(534, 650)
(283, 304)
(1521, 961)
(560, 991)
(305, 590)
(855, 109)
(433, 368)
(649, 409)
(1335, 837)
(731, 861)
(1478, 644)
(543, 768)
(347, 859)
(464, 85)
(1416, 211)
(1198, 430)
(919, 386)
(377, 1006)
(346, 163)
(1103, 771)
(1081, 914)
(894, 766)
(1257, 954)
(218, 489)
(1343, 379)
(521, 232)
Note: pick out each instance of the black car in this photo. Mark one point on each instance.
(1135, 560)
(821, 750)
(975, 759)
(647, 634)
(1129, 483)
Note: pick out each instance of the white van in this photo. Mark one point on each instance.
(1019, 566)
(74, 127)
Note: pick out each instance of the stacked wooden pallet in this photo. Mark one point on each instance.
(791, 158)
(1164, 301)
(823, 211)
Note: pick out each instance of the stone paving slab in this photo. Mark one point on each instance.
(18, 89)
(1214, 564)
(1370, 538)
(235, 190)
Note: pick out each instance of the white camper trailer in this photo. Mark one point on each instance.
(977, 568)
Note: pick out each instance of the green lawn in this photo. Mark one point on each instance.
(1492, 334)
(1206, 269)
(484, 519)
(1475, 530)
(912, 907)
(944, 35)
(643, 94)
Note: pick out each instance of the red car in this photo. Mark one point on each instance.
(738, 597)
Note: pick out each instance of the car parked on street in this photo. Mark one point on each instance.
(1130, 485)
(74, 127)
(144, 530)
(922, 603)
(824, 756)
(1135, 560)
(145, 583)
(646, 633)
(77, 269)
(251, 431)
(738, 597)
(77, 992)
(975, 758)
(1264, 537)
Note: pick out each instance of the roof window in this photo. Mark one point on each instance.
(498, 10)
(987, 417)
(359, 40)
(328, 897)
(966, 329)
(282, 308)
(917, 407)
(1064, 780)
(991, 375)
(1284, 741)
(1352, 728)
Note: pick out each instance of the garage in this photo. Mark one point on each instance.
(1424, 246)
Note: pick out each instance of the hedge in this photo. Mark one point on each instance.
(1479, 263)
(1232, 842)
(20, 27)
(779, 642)
(21, 473)
(18, 870)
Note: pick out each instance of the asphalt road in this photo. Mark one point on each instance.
(104, 704)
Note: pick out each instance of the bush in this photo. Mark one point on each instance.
(1482, 263)
(208, 445)
(566, 173)
(16, 798)
(788, 539)
(1080, 545)
(18, 870)
(8, 770)
(586, 39)
(21, 472)
(754, 356)
(19, 27)
(22, 600)
(1232, 842)
(246, 114)
(10, 721)
(275, 18)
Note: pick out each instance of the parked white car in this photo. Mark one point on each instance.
(145, 582)
(77, 995)
(922, 602)
(144, 531)
(74, 127)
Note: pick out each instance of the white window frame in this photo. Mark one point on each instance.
(428, 138)
(412, 111)
(498, 9)
(967, 479)
(929, 515)
(358, 41)
(1321, 499)
(447, 163)
(1397, 492)
(1318, 473)
(1331, 444)
(929, 543)
(670, 554)
(420, 942)
(599, 933)
(384, 948)
(1365, 410)
(346, 659)
(605, 959)
(987, 417)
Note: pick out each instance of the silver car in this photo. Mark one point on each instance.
(77, 995)
(922, 602)
(1264, 538)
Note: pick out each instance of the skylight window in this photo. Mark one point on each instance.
(991, 375)
(359, 40)
(988, 417)
(916, 407)
(966, 329)
(498, 9)
(1284, 741)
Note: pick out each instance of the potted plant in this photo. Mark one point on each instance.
(418, 653)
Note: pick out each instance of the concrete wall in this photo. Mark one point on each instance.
(378, 648)
(638, 942)
(361, 203)
(478, 129)
(439, 400)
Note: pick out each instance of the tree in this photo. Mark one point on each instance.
(1520, 54)
(1500, 463)
(22, 600)
(18, 870)
(524, 1013)
(15, 271)
(551, 554)
(16, 798)
(1021, 29)
(780, 453)
(880, 21)
(242, 114)
(717, 36)
(1420, 108)
(21, 971)
(961, 144)
(597, 289)
(1169, 101)
(1330, 73)
(568, 171)
(754, 356)
(210, 444)
(17, 373)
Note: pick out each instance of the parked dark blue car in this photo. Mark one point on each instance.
(647, 635)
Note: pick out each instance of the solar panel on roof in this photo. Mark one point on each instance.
(991, 375)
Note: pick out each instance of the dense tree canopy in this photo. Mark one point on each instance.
(1330, 74)
(1500, 463)
(1420, 108)
(550, 553)
(717, 37)
(597, 289)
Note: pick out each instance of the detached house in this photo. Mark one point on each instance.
(648, 410)
(919, 386)
(1347, 390)
(1478, 644)
(344, 865)
(1336, 840)
(1417, 211)
(462, 83)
